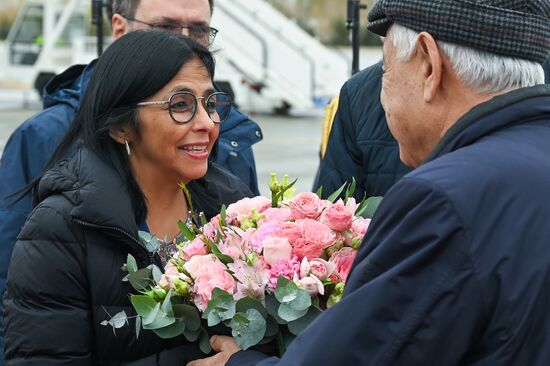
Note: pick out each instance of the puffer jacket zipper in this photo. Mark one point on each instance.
(138, 245)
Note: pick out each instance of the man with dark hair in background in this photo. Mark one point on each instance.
(32, 143)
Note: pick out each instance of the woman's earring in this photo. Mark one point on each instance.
(127, 147)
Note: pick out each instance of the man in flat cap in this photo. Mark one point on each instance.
(455, 268)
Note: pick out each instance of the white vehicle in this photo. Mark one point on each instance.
(264, 58)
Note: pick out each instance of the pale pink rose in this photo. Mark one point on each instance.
(321, 269)
(246, 205)
(265, 230)
(291, 231)
(305, 267)
(276, 249)
(286, 268)
(277, 214)
(343, 259)
(251, 280)
(359, 226)
(338, 217)
(312, 285)
(208, 273)
(305, 204)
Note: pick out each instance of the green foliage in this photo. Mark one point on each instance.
(368, 207)
(294, 300)
(280, 190)
(220, 308)
(248, 328)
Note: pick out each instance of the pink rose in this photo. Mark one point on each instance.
(196, 247)
(276, 249)
(321, 269)
(291, 231)
(277, 214)
(305, 204)
(343, 259)
(338, 216)
(316, 236)
(359, 226)
(246, 205)
(265, 230)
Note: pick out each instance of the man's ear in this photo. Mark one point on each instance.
(431, 65)
(120, 26)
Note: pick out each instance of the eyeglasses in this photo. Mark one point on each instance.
(200, 33)
(182, 106)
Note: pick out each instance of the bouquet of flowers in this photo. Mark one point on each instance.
(262, 268)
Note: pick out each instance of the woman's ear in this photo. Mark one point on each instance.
(121, 136)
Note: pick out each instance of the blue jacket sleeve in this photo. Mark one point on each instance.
(27, 151)
(412, 297)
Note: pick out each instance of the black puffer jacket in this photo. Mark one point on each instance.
(360, 144)
(65, 274)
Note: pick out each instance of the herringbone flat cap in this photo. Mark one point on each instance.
(513, 28)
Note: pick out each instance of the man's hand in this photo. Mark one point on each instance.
(225, 346)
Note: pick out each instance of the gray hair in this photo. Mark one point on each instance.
(486, 72)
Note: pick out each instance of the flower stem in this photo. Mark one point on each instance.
(280, 344)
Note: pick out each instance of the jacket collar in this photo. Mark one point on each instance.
(98, 194)
(69, 86)
(499, 112)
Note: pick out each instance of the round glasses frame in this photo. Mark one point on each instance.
(205, 101)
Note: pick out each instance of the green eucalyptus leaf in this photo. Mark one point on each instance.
(131, 264)
(144, 305)
(334, 196)
(221, 307)
(204, 342)
(272, 307)
(138, 326)
(246, 303)
(167, 304)
(192, 335)
(302, 300)
(151, 317)
(170, 331)
(119, 320)
(371, 204)
(105, 322)
(189, 315)
(288, 313)
(272, 328)
(161, 320)
(248, 328)
(140, 279)
(156, 272)
(297, 326)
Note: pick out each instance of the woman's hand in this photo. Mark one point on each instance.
(224, 346)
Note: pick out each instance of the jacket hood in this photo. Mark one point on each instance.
(68, 87)
(98, 194)
(499, 112)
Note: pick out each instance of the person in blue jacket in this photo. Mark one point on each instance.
(455, 266)
(32, 143)
(360, 145)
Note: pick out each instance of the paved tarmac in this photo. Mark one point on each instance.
(290, 144)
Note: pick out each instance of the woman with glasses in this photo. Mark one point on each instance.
(149, 120)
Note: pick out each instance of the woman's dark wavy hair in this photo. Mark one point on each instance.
(132, 69)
